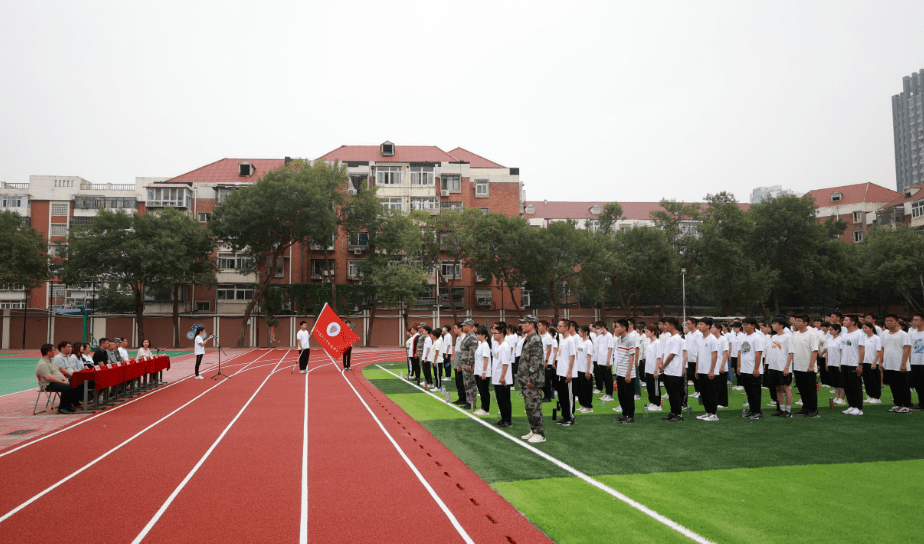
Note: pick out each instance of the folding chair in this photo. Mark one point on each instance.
(49, 398)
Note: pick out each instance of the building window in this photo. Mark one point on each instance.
(11, 287)
(358, 183)
(451, 205)
(59, 209)
(221, 193)
(245, 169)
(59, 229)
(359, 240)
(388, 175)
(235, 291)
(56, 250)
(14, 202)
(917, 208)
(593, 225)
(391, 203)
(203, 306)
(857, 217)
(12, 305)
(485, 211)
(353, 272)
(450, 270)
(168, 197)
(233, 261)
(97, 202)
(857, 236)
(321, 268)
(481, 188)
(424, 203)
(451, 182)
(483, 298)
(204, 217)
(318, 247)
(530, 209)
(421, 175)
(836, 196)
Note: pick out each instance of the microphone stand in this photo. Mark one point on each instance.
(160, 377)
(220, 351)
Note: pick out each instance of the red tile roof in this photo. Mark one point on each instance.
(475, 161)
(226, 171)
(403, 153)
(902, 199)
(581, 210)
(853, 194)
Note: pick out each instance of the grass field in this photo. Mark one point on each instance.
(835, 479)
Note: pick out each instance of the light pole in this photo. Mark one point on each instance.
(683, 279)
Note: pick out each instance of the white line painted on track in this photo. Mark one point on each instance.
(303, 519)
(107, 454)
(169, 501)
(442, 505)
(599, 485)
(114, 408)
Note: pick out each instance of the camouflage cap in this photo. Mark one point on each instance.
(470, 322)
(529, 319)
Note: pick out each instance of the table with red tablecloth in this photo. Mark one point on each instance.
(104, 377)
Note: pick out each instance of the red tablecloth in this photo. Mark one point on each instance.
(105, 376)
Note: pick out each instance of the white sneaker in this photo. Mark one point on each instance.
(895, 408)
(832, 391)
(588, 410)
(480, 412)
(702, 416)
(618, 409)
(664, 396)
(839, 401)
(607, 398)
(720, 406)
(200, 377)
(689, 382)
(638, 397)
(873, 401)
(597, 391)
(798, 402)
(694, 396)
(537, 438)
(528, 436)
(904, 410)
(738, 388)
(857, 412)
(771, 404)
(712, 417)
(652, 408)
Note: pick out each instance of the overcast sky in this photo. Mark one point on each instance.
(626, 101)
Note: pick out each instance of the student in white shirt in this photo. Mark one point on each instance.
(604, 349)
(804, 360)
(636, 377)
(652, 362)
(626, 349)
(411, 346)
(583, 365)
(749, 367)
(564, 366)
(707, 362)
(672, 369)
(734, 342)
(833, 361)
(853, 348)
(447, 353)
(436, 355)
(690, 350)
(872, 370)
(916, 361)
(502, 376)
(549, 346)
(199, 351)
(460, 382)
(779, 369)
(722, 348)
(426, 359)
(482, 370)
(896, 354)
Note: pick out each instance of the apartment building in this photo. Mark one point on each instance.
(854, 204)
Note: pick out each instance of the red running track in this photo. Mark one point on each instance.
(205, 460)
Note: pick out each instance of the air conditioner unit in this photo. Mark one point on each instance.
(351, 191)
(444, 192)
(357, 251)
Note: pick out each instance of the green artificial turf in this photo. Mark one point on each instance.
(425, 408)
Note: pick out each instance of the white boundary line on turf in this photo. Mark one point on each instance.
(163, 508)
(112, 409)
(442, 505)
(599, 485)
(103, 456)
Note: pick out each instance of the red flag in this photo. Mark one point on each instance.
(332, 333)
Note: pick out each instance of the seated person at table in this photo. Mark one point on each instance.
(113, 351)
(144, 350)
(54, 380)
(123, 349)
(62, 359)
(82, 355)
(101, 356)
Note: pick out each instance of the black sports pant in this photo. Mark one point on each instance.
(303, 357)
(691, 375)
(426, 372)
(199, 362)
(549, 380)
(654, 391)
(675, 386)
(415, 368)
(708, 393)
(805, 381)
(872, 381)
(585, 392)
(460, 384)
(70, 396)
(516, 365)
(752, 388)
(484, 391)
(347, 356)
(626, 392)
(901, 390)
(606, 374)
(598, 377)
(564, 397)
(721, 389)
(917, 379)
(503, 400)
(853, 389)
(823, 371)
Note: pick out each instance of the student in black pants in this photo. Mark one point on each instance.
(460, 383)
(501, 375)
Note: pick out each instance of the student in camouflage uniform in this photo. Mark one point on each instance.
(418, 350)
(467, 360)
(531, 375)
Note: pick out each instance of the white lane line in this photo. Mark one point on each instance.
(303, 520)
(599, 485)
(113, 409)
(442, 505)
(169, 501)
(103, 456)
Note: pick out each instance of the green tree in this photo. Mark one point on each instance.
(294, 204)
(23, 253)
(447, 237)
(679, 221)
(553, 257)
(643, 265)
(612, 212)
(892, 263)
(502, 249)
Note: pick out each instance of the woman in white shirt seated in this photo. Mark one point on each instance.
(144, 350)
(502, 375)
(482, 370)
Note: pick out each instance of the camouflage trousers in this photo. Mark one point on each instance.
(533, 399)
(471, 388)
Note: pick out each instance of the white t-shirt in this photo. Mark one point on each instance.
(409, 344)
(519, 349)
(480, 366)
(735, 343)
(652, 354)
(502, 356)
(585, 349)
(428, 348)
(707, 346)
(602, 345)
(873, 344)
(625, 350)
(893, 349)
(565, 351)
(723, 348)
(777, 349)
(850, 347)
(691, 345)
(803, 344)
(511, 341)
(459, 340)
(833, 351)
(436, 351)
(447, 344)
(917, 346)
(674, 347)
(750, 345)
(200, 346)
(547, 341)
(303, 340)
(643, 342)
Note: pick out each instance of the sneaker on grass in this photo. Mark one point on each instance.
(536, 439)
(597, 391)
(618, 409)
(607, 398)
(712, 417)
(638, 397)
(904, 410)
(873, 401)
(481, 412)
(528, 436)
(738, 388)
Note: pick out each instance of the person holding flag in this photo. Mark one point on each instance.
(332, 333)
(304, 349)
